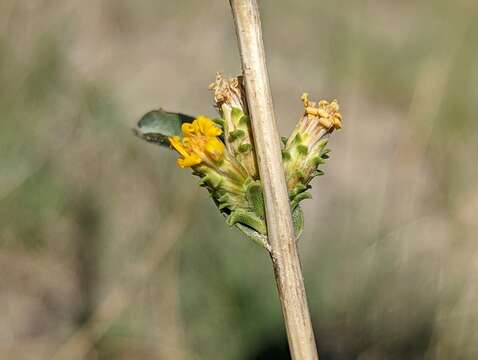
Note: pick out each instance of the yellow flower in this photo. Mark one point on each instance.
(200, 143)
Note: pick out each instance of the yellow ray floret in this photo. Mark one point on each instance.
(200, 143)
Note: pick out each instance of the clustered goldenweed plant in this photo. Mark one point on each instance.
(220, 151)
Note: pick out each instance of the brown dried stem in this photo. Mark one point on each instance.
(285, 259)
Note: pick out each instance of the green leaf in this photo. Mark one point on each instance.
(245, 121)
(255, 198)
(297, 221)
(285, 155)
(302, 149)
(236, 114)
(219, 121)
(262, 240)
(299, 188)
(247, 218)
(297, 139)
(317, 160)
(157, 125)
(239, 118)
(317, 173)
(212, 180)
(254, 236)
(298, 198)
(236, 134)
(243, 148)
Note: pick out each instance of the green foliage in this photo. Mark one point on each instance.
(157, 126)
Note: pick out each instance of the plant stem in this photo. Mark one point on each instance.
(285, 258)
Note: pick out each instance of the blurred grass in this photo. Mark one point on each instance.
(389, 250)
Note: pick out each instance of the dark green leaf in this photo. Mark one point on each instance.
(157, 125)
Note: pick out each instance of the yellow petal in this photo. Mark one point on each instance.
(208, 127)
(214, 131)
(189, 161)
(187, 129)
(178, 146)
(215, 148)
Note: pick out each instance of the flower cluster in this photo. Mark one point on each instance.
(305, 149)
(230, 101)
(221, 152)
(200, 143)
(223, 158)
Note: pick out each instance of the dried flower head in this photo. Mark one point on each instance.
(230, 100)
(228, 91)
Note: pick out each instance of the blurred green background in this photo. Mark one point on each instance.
(109, 251)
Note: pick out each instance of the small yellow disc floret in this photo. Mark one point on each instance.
(200, 143)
